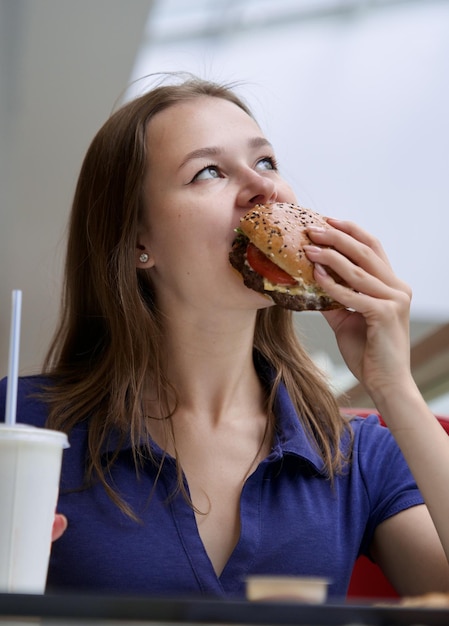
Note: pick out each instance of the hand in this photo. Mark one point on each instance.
(59, 526)
(373, 331)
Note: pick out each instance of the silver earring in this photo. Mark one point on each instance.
(144, 257)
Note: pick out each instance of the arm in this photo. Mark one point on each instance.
(373, 337)
(407, 549)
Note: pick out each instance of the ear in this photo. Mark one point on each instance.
(144, 260)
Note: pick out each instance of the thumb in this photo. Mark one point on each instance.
(59, 526)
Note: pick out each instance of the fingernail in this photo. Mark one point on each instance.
(316, 229)
(309, 248)
(320, 269)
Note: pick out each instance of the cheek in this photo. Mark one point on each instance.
(163, 226)
(185, 228)
(176, 242)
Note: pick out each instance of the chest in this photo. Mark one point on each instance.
(215, 485)
(287, 524)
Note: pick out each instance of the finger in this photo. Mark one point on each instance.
(366, 294)
(366, 274)
(360, 234)
(59, 526)
(362, 248)
(344, 234)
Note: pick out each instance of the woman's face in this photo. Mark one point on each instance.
(208, 164)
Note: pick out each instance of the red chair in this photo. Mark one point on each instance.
(367, 580)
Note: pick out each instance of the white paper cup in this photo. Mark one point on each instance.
(30, 467)
(311, 590)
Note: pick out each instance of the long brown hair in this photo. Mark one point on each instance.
(110, 333)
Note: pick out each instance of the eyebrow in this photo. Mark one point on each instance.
(213, 151)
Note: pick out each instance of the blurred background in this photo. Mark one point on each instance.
(354, 95)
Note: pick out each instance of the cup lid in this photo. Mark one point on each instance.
(26, 432)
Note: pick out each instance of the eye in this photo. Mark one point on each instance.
(267, 163)
(208, 172)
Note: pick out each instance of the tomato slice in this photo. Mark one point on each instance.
(261, 264)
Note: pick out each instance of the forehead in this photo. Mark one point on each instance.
(204, 120)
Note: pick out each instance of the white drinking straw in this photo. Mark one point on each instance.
(13, 368)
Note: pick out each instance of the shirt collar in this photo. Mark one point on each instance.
(291, 436)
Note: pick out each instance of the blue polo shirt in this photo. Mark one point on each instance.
(293, 520)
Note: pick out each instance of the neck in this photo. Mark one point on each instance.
(210, 364)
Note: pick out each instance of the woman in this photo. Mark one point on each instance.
(205, 445)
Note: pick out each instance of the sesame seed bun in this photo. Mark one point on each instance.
(279, 231)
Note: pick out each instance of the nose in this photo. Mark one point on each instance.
(256, 189)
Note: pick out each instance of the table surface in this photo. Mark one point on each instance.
(58, 609)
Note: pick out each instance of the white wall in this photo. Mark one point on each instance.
(357, 109)
(63, 64)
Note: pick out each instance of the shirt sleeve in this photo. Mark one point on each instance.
(30, 407)
(388, 481)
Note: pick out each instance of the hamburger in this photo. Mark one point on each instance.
(268, 253)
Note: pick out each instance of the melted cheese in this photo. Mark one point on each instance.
(300, 289)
